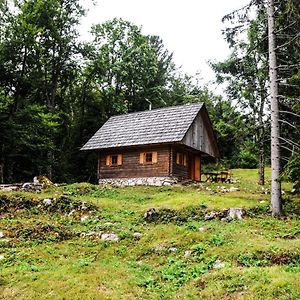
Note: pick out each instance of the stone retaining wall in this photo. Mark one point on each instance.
(153, 181)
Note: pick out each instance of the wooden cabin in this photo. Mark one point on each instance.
(154, 147)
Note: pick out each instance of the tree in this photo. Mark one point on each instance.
(128, 67)
(38, 63)
(275, 132)
(245, 75)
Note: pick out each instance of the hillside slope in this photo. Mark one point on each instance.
(55, 245)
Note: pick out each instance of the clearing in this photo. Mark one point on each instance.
(55, 244)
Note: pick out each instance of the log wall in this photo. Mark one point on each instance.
(131, 166)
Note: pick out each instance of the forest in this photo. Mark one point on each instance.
(56, 90)
(73, 238)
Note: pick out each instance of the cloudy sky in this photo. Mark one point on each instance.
(191, 29)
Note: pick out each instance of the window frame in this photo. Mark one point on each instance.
(181, 159)
(143, 158)
(109, 160)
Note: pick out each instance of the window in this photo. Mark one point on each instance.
(148, 158)
(181, 159)
(114, 160)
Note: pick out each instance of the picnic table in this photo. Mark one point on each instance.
(222, 176)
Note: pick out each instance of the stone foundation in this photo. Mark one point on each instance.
(153, 181)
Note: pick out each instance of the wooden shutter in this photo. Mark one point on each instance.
(119, 159)
(177, 158)
(108, 160)
(154, 157)
(184, 159)
(142, 155)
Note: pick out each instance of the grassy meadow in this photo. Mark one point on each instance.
(53, 250)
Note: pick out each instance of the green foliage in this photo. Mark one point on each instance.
(247, 160)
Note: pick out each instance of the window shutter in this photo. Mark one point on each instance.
(119, 159)
(154, 157)
(184, 160)
(108, 160)
(177, 158)
(142, 155)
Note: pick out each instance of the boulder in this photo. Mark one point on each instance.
(2, 235)
(211, 215)
(47, 201)
(113, 237)
(159, 248)
(84, 218)
(202, 229)
(173, 249)
(236, 213)
(218, 264)
(137, 235)
(187, 253)
(150, 214)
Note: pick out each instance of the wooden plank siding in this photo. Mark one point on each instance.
(200, 135)
(180, 171)
(187, 171)
(131, 166)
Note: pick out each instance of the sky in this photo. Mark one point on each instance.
(190, 29)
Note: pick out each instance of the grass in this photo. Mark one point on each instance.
(50, 252)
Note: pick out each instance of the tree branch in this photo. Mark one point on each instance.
(287, 43)
(286, 148)
(290, 142)
(289, 112)
(288, 123)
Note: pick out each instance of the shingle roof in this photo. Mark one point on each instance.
(164, 125)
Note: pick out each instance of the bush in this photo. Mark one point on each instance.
(247, 160)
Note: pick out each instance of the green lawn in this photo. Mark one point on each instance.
(48, 252)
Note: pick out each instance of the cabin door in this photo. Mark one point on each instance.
(195, 167)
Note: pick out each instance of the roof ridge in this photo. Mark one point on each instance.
(156, 109)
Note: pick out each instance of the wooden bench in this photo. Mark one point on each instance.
(222, 176)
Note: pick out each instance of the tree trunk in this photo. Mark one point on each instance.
(1, 172)
(261, 134)
(275, 133)
(261, 167)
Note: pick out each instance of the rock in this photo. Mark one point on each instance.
(113, 237)
(262, 201)
(236, 213)
(108, 224)
(35, 180)
(47, 201)
(2, 235)
(83, 206)
(71, 212)
(202, 229)
(84, 218)
(173, 249)
(137, 235)
(44, 181)
(233, 189)
(2, 257)
(187, 253)
(150, 214)
(159, 248)
(210, 216)
(31, 187)
(218, 264)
